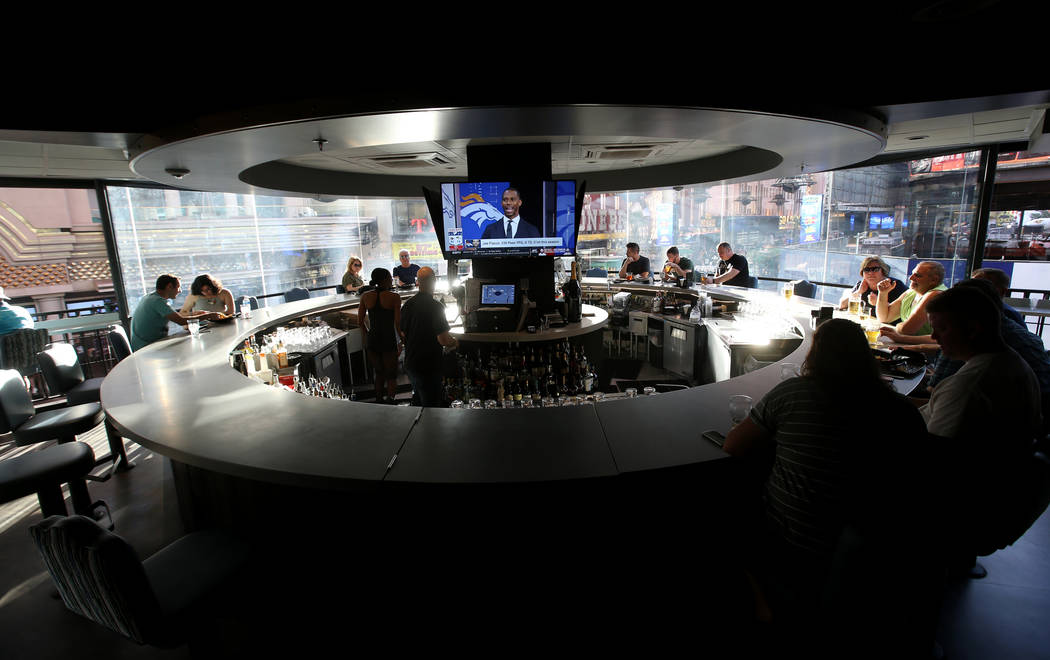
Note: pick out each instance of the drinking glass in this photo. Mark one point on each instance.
(871, 331)
(457, 404)
(788, 370)
(789, 290)
(649, 390)
(194, 326)
(739, 407)
(631, 392)
(475, 404)
(854, 303)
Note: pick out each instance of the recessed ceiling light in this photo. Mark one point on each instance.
(918, 137)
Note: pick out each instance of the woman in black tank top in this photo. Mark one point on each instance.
(379, 317)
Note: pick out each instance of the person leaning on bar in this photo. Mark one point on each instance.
(833, 479)
(677, 266)
(150, 322)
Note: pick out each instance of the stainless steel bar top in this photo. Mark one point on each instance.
(180, 398)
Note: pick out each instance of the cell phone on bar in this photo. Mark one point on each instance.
(715, 437)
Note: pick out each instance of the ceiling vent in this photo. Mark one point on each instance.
(408, 161)
(633, 152)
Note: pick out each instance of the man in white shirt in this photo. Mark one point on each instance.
(511, 225)
(995, 391)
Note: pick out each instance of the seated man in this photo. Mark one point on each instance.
(1001, 281)
(12, 317)
(150, 322)
(405, 274)
(635, 266)
(987, 416)
(732, 269)
(926, 282)
(677, 266)
(994, 389)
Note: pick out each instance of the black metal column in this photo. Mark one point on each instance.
(111, 252)
(986, 176)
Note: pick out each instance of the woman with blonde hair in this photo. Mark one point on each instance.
(352, 280)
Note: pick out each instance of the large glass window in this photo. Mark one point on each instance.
(817, 227)
(261, 245)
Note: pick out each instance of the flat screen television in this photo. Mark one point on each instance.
(474, 218)
(880, 221)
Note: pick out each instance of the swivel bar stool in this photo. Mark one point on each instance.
(62, 373)
(118, 342)
(43, 472)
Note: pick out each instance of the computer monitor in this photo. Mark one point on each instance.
(497, 294)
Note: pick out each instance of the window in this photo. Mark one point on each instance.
(260, 245)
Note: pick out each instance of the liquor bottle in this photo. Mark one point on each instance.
(516, 389)
(573, 296)
(282, 355)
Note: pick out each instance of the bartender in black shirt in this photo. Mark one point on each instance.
(732, 269)
(635, 266)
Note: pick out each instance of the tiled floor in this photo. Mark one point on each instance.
(1006, 615)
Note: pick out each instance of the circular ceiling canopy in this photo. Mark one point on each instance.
(612, 147)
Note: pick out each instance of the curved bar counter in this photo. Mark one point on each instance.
(180, 398)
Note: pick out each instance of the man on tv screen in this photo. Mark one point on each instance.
(511, 225)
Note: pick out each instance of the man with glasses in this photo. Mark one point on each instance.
(925, 284)
(405, 274)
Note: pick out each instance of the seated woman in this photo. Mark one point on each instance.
(352, 280)
(872, 271)
(379, 317)
(836, 438)
(207, 295)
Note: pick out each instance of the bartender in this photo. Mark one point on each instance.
(635, 266)
(677, 266)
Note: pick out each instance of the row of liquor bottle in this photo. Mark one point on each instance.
(510, 374)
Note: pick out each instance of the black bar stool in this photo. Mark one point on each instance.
(43, 472)
(62, 372)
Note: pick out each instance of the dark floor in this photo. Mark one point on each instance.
(1005, 615)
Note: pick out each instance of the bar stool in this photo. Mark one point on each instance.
(118, 342)
(297, 293)
(19, 417)
(61, 369)
(63, 374)
(43, 472)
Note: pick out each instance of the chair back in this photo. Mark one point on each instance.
(339, 288)
(752, 282)
(298, 293)
(596, 272)
(61, 368)
(804, 288)
(100, 577)
(18, 349)
(118, 342)
(16, 406)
